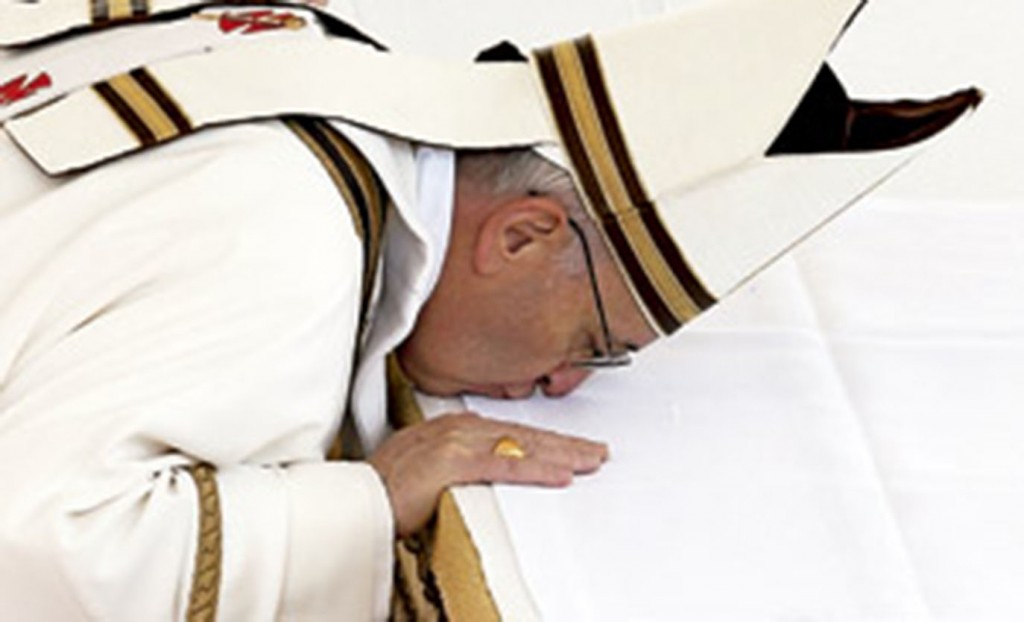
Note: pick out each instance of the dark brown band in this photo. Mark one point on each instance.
(587, 178)
(162, 99)
(144, 106)
(665, 284)
(125, 113)
(617, 144)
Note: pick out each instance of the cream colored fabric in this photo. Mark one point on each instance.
(194, 303)
(75, 62)
(447, 104)
(734, 225)
(413, 256)
(684, 86)
(23, 22)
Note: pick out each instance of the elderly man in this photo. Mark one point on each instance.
(183, 330)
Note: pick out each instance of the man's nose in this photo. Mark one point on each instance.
(563, 380)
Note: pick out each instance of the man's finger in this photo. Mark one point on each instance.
(580, 455)
(522, 471)
(577, 454)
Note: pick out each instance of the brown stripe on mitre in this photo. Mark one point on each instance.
(696, 298)
(594, 198)
(662, 281)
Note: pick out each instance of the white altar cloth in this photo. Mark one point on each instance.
(840, 441)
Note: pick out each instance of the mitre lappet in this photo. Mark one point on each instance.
(704, 143)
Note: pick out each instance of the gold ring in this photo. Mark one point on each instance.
(508, 447)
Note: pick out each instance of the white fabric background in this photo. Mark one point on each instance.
(842, 440)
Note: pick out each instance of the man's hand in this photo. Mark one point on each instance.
(419, 462)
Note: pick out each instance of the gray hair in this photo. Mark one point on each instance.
(518, 172)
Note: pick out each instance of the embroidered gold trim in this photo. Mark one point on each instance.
(142, 104)
(206, 573)
(144, 107)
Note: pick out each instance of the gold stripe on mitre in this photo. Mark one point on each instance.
(662, 280)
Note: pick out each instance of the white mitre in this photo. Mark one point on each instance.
(664, 126)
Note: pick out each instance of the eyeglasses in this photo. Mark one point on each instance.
(611, 357)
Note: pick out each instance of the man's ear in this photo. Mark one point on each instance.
(523, 228)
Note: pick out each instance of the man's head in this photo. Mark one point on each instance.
(515, 307)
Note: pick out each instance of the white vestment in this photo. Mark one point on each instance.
(198, 302)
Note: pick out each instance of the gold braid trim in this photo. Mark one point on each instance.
(414, 597)
(439, 571)
(202, 605)
(456, 565)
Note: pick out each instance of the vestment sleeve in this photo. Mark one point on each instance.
(176, 337)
